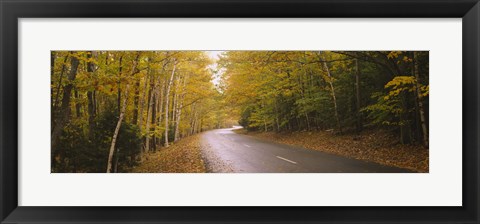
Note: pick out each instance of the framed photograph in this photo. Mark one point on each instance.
(239, 112)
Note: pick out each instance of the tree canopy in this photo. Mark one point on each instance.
(323, 90)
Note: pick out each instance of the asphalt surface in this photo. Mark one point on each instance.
(225, 151)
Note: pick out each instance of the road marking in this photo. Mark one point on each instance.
(287, 160)
(247, 145)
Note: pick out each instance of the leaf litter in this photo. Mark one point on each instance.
(371, 145)
(183, 156)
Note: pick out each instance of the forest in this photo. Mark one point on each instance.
(111, 109)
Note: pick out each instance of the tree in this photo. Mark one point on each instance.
(169, 85)
(120, 119)
(332, 89)
(91, 93)
(358, 98)
(65, 111)
(419, 96)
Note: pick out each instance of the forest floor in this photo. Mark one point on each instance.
(374, 146)
(184, 156)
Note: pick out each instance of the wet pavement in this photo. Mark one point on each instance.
(225, 151)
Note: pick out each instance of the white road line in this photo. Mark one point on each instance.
(287, 160)
(247, 145)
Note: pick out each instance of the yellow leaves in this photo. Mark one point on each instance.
(400, 56)
(400, 80)
(424, 90)
(394, 54)
(407, 59)
(398, 85)
(390, 106)
(401, 84)
(183, 156)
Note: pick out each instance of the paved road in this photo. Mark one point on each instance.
(225, 151)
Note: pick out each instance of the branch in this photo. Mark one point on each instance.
(194, 101)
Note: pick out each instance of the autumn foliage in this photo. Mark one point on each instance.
(109, 108)
(113, 111)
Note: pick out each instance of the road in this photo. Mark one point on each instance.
(225, 151)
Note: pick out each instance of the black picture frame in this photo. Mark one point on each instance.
(11, 11)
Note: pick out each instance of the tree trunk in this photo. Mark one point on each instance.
(98, 102)
(78, 105)
(405, 127)
(357, 88)
(179, 110)
(52, 64)
(276, 116)
(158, 113)
(52, 72)
(175, 96)
(421, 110)
(55, 103)
(90, 98)
(151, 93)
(160, 106)
(308, 121)
(332, 89)
(91, 114)
(167, 93)
(64, 114)
(117, 129)
(193, 124)
(117, 155)
(154, 115)
(142, 105)
(120, 118)
(119, 88)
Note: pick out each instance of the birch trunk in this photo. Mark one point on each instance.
(195, 125)
(175, 99)
(160, 106)
(136, 103)
(179, 110)
(149, 112)
(193, 119)
(140, 116)
(167, 93)
(332, 89)
(120, 118)
(158, 113)
(142, 103)
(117, 129)
(177, 123)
